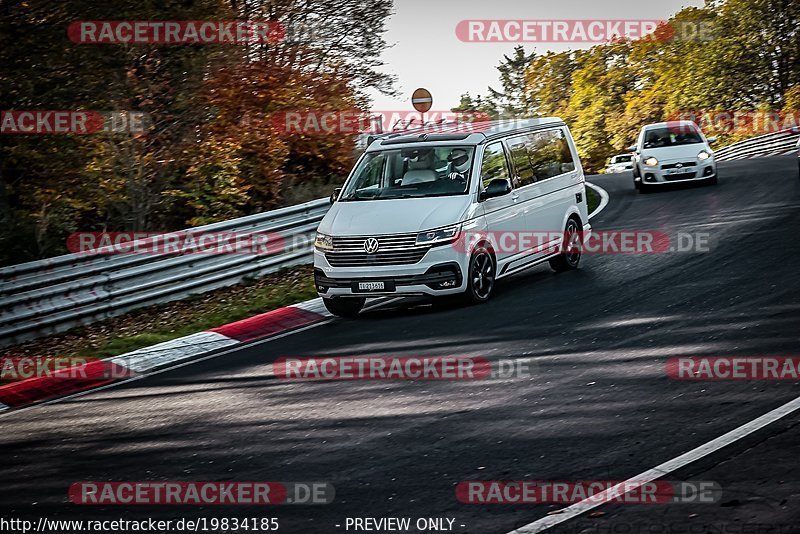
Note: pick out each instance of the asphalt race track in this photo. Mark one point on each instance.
(598, 403)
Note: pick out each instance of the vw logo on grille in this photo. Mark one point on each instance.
(371, 245)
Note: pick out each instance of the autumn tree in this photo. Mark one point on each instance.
(548, 82)
(513, 101)
(200, 160)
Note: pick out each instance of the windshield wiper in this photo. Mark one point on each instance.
(355, 197)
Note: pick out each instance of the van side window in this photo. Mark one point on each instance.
(523, 172)
(541, 155)
(565, 159)
(494, 164)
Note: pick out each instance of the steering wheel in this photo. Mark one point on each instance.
(457, 176)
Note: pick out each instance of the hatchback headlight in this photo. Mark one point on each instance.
(323, 242)
(703, 155)
(651, 162)
(442, 235)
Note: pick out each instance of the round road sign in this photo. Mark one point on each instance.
(422, 100)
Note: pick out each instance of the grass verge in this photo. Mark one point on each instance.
(592, 199)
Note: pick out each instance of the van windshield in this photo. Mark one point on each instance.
(430, 171)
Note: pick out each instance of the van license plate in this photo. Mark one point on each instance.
(371, 286)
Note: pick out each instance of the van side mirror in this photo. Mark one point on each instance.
(711, 140)
(335, 194)
(631, 148)
(496, 188)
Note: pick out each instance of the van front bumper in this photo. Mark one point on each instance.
(438, 273)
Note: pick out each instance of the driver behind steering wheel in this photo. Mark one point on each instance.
(459, 163)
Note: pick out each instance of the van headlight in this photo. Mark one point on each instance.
(703, 155)
(651, 162)
(442, 235)
(323, 242)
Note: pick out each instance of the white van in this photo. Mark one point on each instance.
(451, 211)
(669, 152)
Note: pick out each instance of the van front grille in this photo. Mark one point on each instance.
(385, 242)
(362, 259)
(393, 249)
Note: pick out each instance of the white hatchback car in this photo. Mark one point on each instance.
(669, 152)
(445, 213)
(620, 163)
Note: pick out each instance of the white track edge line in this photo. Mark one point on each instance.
(663, 469)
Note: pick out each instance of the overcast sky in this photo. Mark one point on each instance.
(427, 53)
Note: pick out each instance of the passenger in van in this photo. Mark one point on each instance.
(420, 167)
(420, 159)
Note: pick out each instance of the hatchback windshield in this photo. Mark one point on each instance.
(661, 137)
(411, 173)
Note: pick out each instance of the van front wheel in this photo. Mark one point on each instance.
(481, 276)
(344, 307)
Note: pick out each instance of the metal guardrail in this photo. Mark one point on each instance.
(53, 295)
(771, 144)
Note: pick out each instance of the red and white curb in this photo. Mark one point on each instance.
(100, 373)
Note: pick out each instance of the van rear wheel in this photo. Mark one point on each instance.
(344, 307)
(571, 249)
